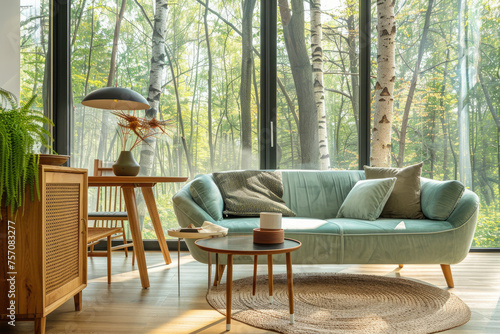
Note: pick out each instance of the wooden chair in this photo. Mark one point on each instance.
(108, 219)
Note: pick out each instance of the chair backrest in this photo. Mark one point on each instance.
(109, 198)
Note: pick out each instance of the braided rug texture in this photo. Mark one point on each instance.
(344, 303)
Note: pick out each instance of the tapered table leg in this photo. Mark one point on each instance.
(270, 276)
(254, 288)
(289, 277)
(229, 290)
(149, 198)
(135, 230)
(209, 271)
(179, 267)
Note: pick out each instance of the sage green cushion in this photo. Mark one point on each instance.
(404, 201)
(367, 199)
(248, 193)
(441, 197)
(206, 194)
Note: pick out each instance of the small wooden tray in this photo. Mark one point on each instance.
(268, 236)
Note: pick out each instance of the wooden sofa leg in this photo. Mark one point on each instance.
(447, 275)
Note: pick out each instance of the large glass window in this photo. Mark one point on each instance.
(318, 84)
(446, 98)
(34, 46)
(209, 87)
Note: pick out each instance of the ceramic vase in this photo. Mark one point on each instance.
(126, 165)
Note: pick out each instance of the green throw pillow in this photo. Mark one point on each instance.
(439, 198)
(248, 193)
(367, 199)
(404, 201)
(206, 194)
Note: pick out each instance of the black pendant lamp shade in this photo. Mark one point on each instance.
(115, 98)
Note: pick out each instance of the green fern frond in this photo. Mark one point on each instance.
(20, 130)
(7, 97)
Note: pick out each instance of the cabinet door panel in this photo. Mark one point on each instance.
(63, 214)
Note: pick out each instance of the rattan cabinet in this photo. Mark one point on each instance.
(49, 265)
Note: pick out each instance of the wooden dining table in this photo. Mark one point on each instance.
(146, 183)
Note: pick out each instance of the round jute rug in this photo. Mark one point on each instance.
(344, 303)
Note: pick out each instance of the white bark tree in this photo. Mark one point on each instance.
(156, 74)
(319, 93)
(384, 88)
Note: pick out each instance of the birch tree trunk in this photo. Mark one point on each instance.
(111, 76)
(155, 82)
(464, 164)
(319, 93)
(384, 88)
(353, 62)
(246, 84)
(293, 31)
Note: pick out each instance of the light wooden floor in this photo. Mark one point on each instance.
(123, 307)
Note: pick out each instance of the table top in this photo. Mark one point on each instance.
(192, 235)
(133, 180)
(245, 246)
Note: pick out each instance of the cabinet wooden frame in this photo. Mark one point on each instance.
(50, 246)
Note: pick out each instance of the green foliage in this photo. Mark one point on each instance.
(20, 129)
(433, 132)
(487, 233)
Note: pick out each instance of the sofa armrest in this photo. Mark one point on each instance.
(466, 208)
(186, 209)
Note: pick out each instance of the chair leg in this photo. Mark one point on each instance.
(109, 259)
(447, 275)
(125, 242)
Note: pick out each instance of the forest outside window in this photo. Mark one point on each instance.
(318, 84)
(205, 81)
(446, 88)
(447, 98)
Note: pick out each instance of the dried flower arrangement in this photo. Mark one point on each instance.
(142, 128)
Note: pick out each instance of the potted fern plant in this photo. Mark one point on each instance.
(21, 130)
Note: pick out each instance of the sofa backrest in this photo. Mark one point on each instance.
(318, 194)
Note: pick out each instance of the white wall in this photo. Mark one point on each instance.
(10, 53)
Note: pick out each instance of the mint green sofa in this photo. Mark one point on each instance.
(316, 196)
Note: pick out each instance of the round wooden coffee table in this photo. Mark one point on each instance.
(245, 246)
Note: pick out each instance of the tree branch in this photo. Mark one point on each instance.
(144, 13)
(338, 92)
